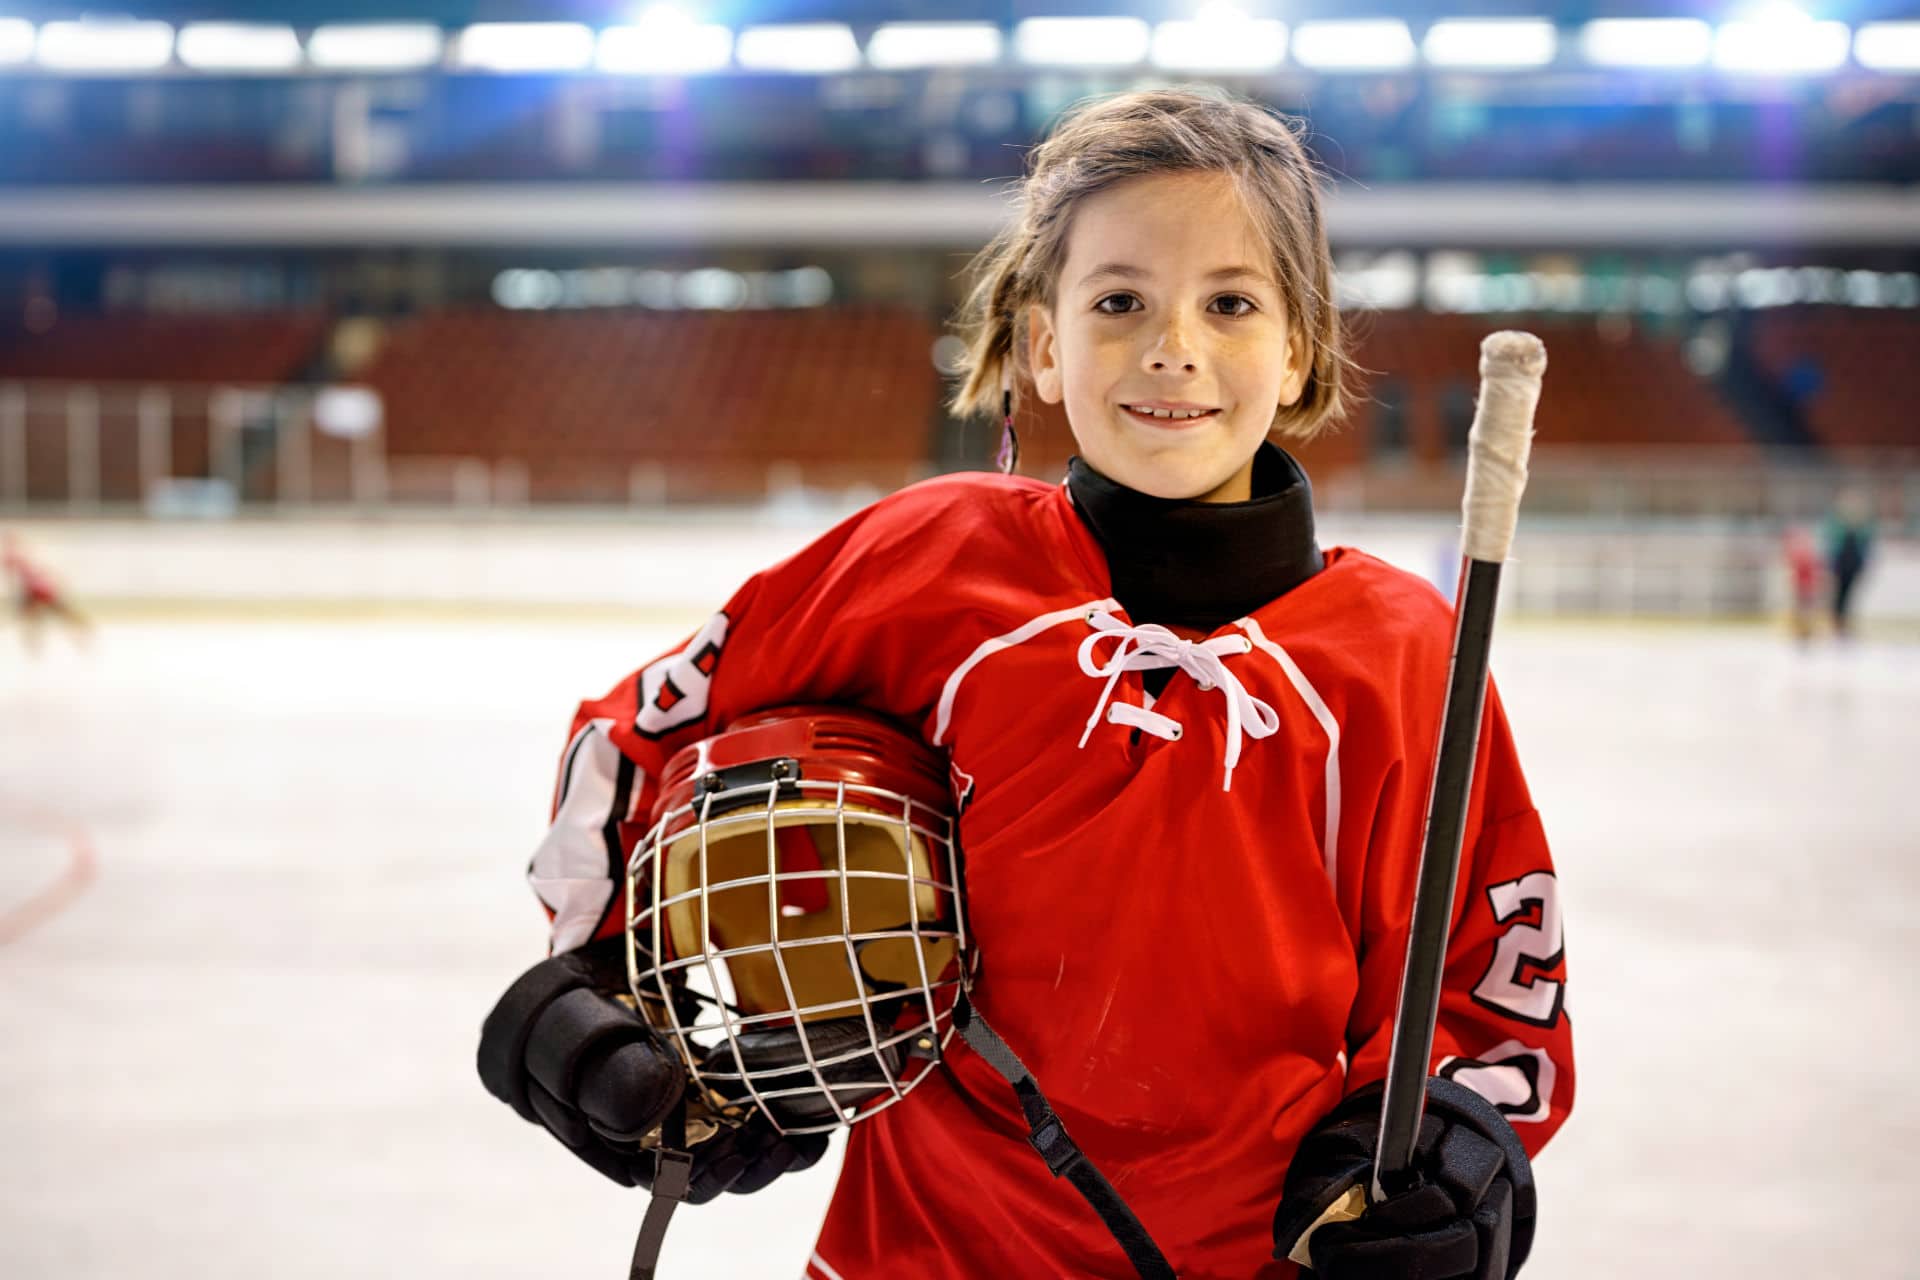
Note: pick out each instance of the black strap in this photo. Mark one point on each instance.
(672, 1175)
(1063, 1156)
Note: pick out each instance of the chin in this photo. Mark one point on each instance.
(1159, 480)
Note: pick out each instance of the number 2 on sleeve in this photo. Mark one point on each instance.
(1525, 946)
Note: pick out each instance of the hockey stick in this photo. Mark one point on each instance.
(1511, 366)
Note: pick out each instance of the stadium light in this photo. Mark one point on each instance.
(1222, 39)
(118, 45)
(1646, 42)
(899, 45)
(237, 46)
(1082, 42)
(375, 46)
(16, 41)
(1780, 40)
(714, 288)
(1389, 281)
(801, 48)
(665, 42)
(1884, 46)
(1365, 44)
(524, 46)
(1490, 43)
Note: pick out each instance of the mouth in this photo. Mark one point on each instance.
(1169, 420)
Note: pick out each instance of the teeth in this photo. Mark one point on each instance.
(1171, 413)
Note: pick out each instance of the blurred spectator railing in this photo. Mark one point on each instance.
(84, 448)
(1644, 484)
(178, 448)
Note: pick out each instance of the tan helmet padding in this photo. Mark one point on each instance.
(737, 848)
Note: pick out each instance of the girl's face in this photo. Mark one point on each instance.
(1167, 299)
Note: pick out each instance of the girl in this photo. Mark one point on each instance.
(1190, 752)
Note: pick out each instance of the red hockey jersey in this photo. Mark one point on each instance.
(1191, 916)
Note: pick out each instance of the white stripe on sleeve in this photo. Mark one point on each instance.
(573, 867)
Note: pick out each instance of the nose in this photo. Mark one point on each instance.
(1172, 348)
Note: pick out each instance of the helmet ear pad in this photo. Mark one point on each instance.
(776, 1059)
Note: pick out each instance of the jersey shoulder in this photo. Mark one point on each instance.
(987, 514)
(965, 497)
(951, 543)
(1397, 606)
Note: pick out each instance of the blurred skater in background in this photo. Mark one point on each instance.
(1849, 544)
(1803, 573)
(37, 596)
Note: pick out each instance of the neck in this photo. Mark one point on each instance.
(1198, 564)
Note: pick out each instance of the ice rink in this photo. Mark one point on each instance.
(260, 880)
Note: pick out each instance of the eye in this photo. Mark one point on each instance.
(1249, 309)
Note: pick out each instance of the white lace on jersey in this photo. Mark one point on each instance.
(1151, 646)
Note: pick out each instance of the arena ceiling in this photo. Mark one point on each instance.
(744, 12)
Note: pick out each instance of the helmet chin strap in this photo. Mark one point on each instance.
(672, 1176)
(1062, 1154)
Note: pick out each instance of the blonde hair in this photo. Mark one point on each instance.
(1106, 140)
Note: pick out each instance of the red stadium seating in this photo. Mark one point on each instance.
(264, 347)
(1854, 366)
(724, 403)
(1600, 389)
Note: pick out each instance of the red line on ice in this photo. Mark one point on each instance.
(82, 866)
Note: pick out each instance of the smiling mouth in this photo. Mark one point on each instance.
(1169, 420)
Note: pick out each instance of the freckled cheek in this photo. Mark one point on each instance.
(1099, 370)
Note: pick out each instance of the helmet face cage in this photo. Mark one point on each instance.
(799, 941)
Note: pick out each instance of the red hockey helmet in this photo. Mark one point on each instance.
(794, 919)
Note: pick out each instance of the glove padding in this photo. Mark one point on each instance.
(746, 1159)
(583, 1066)
(569, 1058)
(1468, 1216)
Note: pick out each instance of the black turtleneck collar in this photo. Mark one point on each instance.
(1181, 562)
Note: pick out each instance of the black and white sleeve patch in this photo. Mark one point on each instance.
(579, 862)
(1516, 1078)
(673, 691)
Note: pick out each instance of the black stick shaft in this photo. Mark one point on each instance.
(1406, 1091)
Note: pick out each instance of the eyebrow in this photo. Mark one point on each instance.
(1126, 271)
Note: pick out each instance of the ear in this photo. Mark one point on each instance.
(1293, 381)
(1043, 354)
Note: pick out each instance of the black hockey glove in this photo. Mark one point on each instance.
(1469, 1215)
(590, 1071)
(746, 1159)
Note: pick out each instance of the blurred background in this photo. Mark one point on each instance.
(378, 378)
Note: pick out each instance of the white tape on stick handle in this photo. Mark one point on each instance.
(1511, 365)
